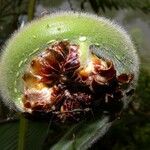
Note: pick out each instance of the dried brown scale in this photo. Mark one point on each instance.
(71, 103)
(56, 82)
(125, 78)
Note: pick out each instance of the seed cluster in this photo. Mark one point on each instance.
(56, 82)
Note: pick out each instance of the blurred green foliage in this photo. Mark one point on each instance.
(10, 10)
(143, 5)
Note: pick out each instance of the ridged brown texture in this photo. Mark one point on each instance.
(57, 83)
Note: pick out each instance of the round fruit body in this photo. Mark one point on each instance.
(108, 40)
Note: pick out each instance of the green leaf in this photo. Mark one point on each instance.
(41, 135)
(83, 135)
(9, 135)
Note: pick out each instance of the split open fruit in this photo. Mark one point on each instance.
(68, 64)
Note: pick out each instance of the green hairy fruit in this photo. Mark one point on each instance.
(68, 64)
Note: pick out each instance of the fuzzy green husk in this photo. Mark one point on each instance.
(113, 42)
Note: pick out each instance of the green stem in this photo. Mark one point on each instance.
(31, 8)
(22, 132)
